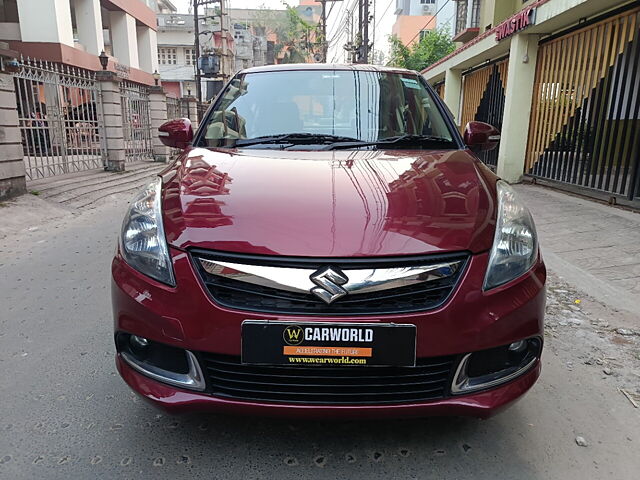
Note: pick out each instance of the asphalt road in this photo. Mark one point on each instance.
(65, 413)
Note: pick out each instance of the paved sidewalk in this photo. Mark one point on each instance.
(593, 246)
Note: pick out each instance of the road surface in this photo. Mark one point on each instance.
(67, 414)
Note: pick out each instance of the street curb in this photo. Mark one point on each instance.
(591, 285)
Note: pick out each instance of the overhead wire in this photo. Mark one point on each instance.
(341, 11)
(376, 23)
(340, 28)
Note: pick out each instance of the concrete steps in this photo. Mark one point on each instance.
(83, 189)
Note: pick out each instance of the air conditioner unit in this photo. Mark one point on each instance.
(429, 9)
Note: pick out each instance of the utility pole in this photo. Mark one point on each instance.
(223, 33)
(365, 32)
(362, 45)
(323, 25)
(323, 22)
(352, 45)
(349, 46)
(196, 44)
(363, 36)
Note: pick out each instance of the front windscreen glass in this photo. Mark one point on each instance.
(365, 106)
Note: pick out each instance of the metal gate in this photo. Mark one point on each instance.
(483, 100)
(60, 115)
(173, 108)
(136, 121)
(585, 119)
(177, 108)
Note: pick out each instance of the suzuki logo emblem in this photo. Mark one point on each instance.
(329, 281)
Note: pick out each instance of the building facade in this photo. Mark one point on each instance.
(176, 54)
(416, 17)
(560, 79)
(251, 46)
(258, 33)
(75, 32)
(177, 57)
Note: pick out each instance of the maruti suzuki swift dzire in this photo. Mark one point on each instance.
(328, 244)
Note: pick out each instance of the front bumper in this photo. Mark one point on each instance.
(177, 401)
(472, 320)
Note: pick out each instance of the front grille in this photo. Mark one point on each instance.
(240, 295)
(428, 380)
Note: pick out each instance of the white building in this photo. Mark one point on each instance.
(176, 54)
(74, 32)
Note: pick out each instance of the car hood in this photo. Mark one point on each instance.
(329, 204)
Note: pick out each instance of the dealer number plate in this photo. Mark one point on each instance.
(328, 344)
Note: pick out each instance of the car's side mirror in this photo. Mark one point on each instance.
(176, 133)
(481, 137)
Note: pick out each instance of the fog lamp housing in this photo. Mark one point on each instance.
(489, 368)
(164, 363)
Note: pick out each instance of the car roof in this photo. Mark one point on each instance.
(289, 67)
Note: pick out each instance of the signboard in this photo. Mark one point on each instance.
(122, 71)
(517, 23)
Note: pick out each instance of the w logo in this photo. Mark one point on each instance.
(293, 335)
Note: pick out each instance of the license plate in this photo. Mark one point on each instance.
(328, 344)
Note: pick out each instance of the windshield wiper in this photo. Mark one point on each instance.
(294, 138)
(406, 139)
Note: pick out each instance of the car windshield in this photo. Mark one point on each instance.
(320, 107)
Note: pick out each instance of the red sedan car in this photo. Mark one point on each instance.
(328, 244)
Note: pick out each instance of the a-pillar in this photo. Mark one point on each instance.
(158, 111)
(124, 36)
(517, 107)
(453, 92)
(113, 121)
(12, 171)
(89, 24)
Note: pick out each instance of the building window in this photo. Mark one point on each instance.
(475, 14)
(427, 2)
(167, 56)
(190, 56)
(423, 33)
(462, 20)
(461, 16)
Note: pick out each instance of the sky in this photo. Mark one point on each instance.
(336, 51)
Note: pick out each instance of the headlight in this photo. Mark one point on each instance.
(515, 245)
(142, 241)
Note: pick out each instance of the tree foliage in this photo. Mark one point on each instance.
(296, 39)
(434, 45)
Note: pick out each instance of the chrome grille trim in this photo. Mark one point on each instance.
(335, 286)
(360, 280)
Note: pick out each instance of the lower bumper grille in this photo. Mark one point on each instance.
(428, 380)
